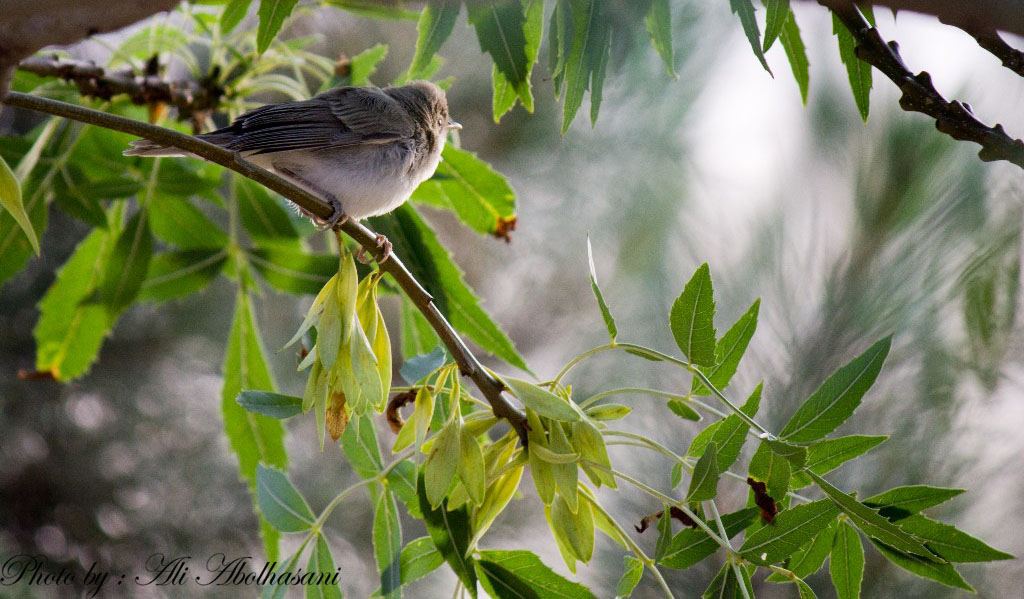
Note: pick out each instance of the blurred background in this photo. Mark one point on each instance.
(847, 231)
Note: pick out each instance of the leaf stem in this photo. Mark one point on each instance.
(725, 536)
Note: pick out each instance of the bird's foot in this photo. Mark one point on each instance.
(383, 245)
(336, 219)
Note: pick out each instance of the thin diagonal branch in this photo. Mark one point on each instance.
(919, 94)
(468, 364)
(1009, 56)
(188, 97)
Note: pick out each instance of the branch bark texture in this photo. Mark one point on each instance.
(981, 15)
(489, 386)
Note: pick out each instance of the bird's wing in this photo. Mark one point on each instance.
(341, 117)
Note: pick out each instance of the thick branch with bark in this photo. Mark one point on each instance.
(980, 15)
(919, 94)
(188, 97)
(468, 364)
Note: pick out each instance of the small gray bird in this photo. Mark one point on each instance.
(363, 149)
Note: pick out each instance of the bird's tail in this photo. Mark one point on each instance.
(145, 147)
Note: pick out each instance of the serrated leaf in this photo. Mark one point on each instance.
(606, 314)
(633, 572)
(482, 198)
(291, 270)
(177, 221)
(590, 36)
(827, 455)
(692, 319)
(772, 469)
(796, 54)
(683, 410)
(900, 502)
(272, 15)
(450, 532)
(431, 264)
(506, 94)
(253, 438)
(691, 545)
(522, 575)
(728, 352)
(502, 29)
(950, 543)
(270, 404)
(10, 199)
(796, 455)
(924, 567)
(387, 545)
(71, 329)
(744, 9)
(811, 557)
(788, 532)
(322, 562)
(419, 558)
(126, 266)
(178, 274)
(775, 21)
(858, 71)
(837, 398)
(437, 19)
(402, 482)
(418, 338)
(376, 9)
(659, 27)
(869, 521)
(263, 217)
(805, 591)
(280, 502)
(704, 481)
(846, 566)
(542, 401)
(359, 442)
(278, 591)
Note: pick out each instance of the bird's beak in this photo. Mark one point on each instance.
(454, 125)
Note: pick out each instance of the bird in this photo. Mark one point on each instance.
(363, 149)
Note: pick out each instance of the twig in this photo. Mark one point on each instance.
(919, 94)
(190, 98)
(468, 364)
(1009, 56)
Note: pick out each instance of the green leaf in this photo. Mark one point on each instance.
(376, 9)
(827, 455)
(522, 575)
(659, 27)
(948, 542)
(680, 408)
(744, 9)
(542, 401)
(176, 221)
(417, 368)
(692, 319)
(387, 545)
(279, 588)
(480, 196)
(796, 455)
(232, 15)
(726, 584)
(291, 270)
(608, 411)
(811, 557)
(431, 264)
(322, 562)
(590, 43)
(704, 482)
(609, 321)
(272, 15)
(365, 63)
(691, 545)
(924, 567)
(589, 441)
(264, 218)
(450, 531)
(70, 329)
(418, 337)
(576, 530)
(796, 54)
(15, 246)
(846, 566)
(419, 558)
(869, 521)
(788, 532)
(402, 481)
(471, 468)
(728, 351)
(837, 398)
(772, 469)
(435, 25)
(505, 93)
(10, 198)
(127, 264)
(805, 590)
(542, 471)
(270, 404)
(70, 193)
(500, 29)
(664, 533)
(253, 438)
(633, 572)
(441, 464)
(280, 502)
(775, 21)
(900, 502)
(858, 71)
(178, 274)
(359, 442)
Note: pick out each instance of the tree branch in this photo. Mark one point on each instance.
(94, 81)
(1011, 57)
(981, 15)
(468, 364)
(919, 94)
